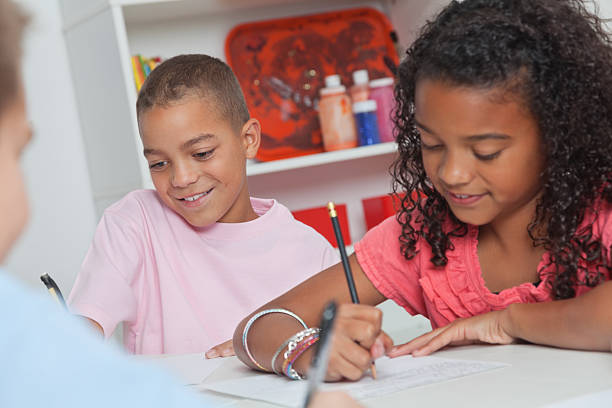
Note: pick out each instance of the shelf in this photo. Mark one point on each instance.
(320, 159)
(147, 11)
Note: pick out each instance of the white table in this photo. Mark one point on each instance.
(537, 376)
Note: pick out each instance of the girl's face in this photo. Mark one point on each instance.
(481, 150)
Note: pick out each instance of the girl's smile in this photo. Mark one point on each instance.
(463, 199)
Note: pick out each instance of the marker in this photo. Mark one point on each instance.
(345, 263)
(318, 367)
(53, 289)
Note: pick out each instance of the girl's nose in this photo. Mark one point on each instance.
(454, 170)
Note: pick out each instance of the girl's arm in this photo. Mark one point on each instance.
(357, 339)
(584, 322)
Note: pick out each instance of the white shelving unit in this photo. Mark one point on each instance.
(319, 159)
(101, 35)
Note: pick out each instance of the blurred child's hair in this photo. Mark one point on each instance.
(12, 23)
(195, 75)
(555, 57)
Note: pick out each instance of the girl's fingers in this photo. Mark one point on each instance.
(382, 345)
(341, 365)
(347, 359)
(354, 353)
(443, 339)
(366, 313)
(414, 344)
(363, 332)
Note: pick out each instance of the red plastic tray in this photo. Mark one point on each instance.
(281, 65)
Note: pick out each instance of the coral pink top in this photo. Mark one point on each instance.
(446, 293)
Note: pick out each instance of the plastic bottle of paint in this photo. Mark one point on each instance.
(365, 119)
(360, 91)
(336, 116)
(381, 90)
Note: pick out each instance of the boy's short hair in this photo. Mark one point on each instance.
(197, 75)
(12, 23)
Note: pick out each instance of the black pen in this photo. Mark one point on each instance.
(318, 367)
(345, 263)
(53, 289)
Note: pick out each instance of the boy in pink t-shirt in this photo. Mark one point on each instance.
(180, 266)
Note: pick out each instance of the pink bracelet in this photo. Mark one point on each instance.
(295, 354)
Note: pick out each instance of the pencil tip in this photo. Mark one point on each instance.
(373, 370)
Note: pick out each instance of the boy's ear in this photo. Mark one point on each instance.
(251, 137)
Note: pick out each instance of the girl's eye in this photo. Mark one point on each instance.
(158, 165)
(487, 157)
(203, 155)
(430, 147)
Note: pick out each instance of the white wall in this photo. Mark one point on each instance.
(605, 10)
(62, 215)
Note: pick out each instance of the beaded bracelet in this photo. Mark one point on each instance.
(256, 316)
(297, 352)
(294, 340)
(297, 338)
(293, 344)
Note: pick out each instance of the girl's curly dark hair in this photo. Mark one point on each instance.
(557, 57)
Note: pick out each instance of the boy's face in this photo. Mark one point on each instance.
(15, 134)
(482, 153)
(198, 161)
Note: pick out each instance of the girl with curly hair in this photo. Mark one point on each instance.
(504, 130)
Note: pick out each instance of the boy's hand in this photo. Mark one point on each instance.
(358, 340)
(486, 328)
(225, 349)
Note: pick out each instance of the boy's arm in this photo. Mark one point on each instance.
(102, 292)
(584, 322)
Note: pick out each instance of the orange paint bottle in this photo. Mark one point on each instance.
(336, 116)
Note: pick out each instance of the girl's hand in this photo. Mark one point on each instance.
(358, 340)
(486, 328)
(225, 349)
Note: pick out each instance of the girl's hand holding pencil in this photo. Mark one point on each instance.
(358, 340)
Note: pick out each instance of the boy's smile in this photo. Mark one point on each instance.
(481, 151)
(198, 161)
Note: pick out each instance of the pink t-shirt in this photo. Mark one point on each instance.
(180, 289)
(446, 293)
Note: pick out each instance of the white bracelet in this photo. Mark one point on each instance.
(256, 316)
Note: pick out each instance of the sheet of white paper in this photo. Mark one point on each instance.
(393, 375)
(191, 369)
(601, 399)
